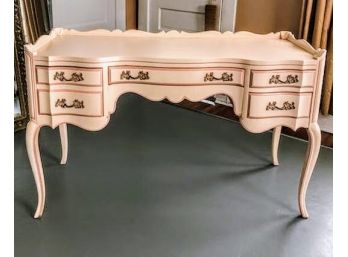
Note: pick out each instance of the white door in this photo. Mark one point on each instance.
(186, 15)
(89, 14)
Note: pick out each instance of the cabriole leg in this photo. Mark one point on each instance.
(32, 142)
(314, 140)
(63, 131)
(275, 144)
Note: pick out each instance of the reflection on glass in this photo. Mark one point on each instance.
(17, 107)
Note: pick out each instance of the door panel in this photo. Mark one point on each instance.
(157, 15)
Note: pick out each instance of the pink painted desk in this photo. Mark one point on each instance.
(77, 77)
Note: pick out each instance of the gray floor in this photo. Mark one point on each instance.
(163, 181)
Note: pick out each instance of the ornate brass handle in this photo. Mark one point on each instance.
(224, 77)
(272, 106)
(75, 104)
(74, 76)
(290, 79)
(141, 75)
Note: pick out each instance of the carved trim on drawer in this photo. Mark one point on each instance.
(290, 79)
(64, 81)
(224, 77)
(75, 104)
(279, 93)
(75, 77)
(282, 83)
(72, 91)
(182, 68)
(141, 75)
(272, 106)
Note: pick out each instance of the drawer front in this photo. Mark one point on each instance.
(58, 75)
(268, 105)
(169, 76)
(282, 78)
(64, 102)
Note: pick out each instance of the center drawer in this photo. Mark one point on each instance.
(70, 102)
(171, 76)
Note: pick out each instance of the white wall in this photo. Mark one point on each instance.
(89, 14)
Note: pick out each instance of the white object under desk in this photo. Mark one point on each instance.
(77, 77)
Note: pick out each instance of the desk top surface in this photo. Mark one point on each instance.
(172, 46)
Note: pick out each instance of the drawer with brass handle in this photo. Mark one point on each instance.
(75, 104)
(285, 104)
(176, 75)
(224, 77)
(282, 78)
(60, 75)
(75, 77)
(140, 76)
(70, 102)
(272, 106)
(290, 79)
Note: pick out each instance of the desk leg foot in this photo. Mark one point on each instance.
(63, 131)
(275, 144)
(32, 142)
(314, 140)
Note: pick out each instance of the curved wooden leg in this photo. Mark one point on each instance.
(314, 140)
(275, 144)
(32, 142)
(63, 131)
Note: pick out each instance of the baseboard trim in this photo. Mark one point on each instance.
(226, 112)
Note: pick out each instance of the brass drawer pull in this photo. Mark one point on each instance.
(75, 77)
(76, 104)
(141, 75)
(290, 79)
(272, 106)
(224, 77)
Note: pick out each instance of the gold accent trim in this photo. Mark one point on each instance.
(76, 104)
(290, 79)
(141, 75)
(272, 106)
(20, 121)
(224, 77)
(75, 77)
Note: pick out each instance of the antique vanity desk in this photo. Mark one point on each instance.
(77, 77)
